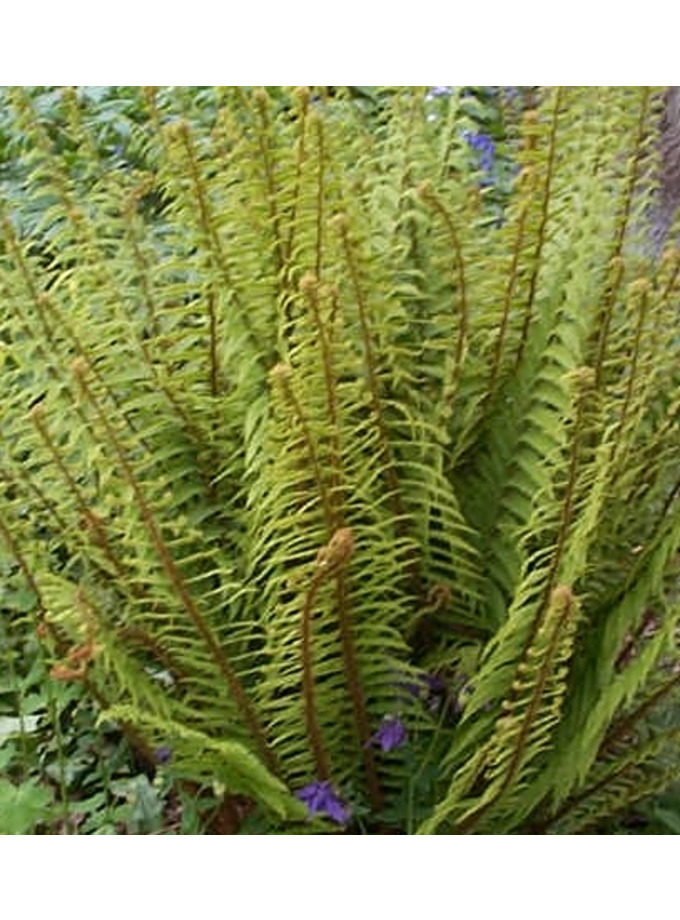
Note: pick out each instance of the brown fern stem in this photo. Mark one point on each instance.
(541, 234)
(334, 513)
(635, 163)
(50, 317)
(428, 195)
(582, 381)
(308, 686)
(179, 585)
(136, 636)
(331, 562)
(281, 374)
(262, 102)
(513, 277)
(606, 316)
(61, 643)
(562, 595)
(361, 721)
(639, 289)
(618, 730)
(208, 229)
(542, 826)
(303, 99)
(42, 500)
(94, 526)
(335, 501)
(212, 347)
(129, 214)
(372, 370)
(93, 523)
(320, 209)
(607, 308)
(333, 559)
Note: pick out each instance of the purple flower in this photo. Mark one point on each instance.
(436, 91)
(390, 735)
(410, 687)
(427, 685)
(511, 93)
(162, 754)
(321, 799)
(485, 149)
(435, 685)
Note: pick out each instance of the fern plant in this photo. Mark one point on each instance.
(355, 493)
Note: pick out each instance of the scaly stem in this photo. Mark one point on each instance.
(179, 585)
(529, 180)
(389, 470)
(208, 228)
(330, 563)
(635, 164)
(262, 102)
(541, 234)
(333, 506)
(428, 195)
(308, 687)
(563, 600)
(93, 523)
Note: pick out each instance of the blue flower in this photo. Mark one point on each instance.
(435, 685)
(321, 799)
(484, 147)
(512, 94)
(436, 91)
(391, 734)
(427, 685)
(162, 754)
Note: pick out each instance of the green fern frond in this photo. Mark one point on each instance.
(503, 764)
(216, 761)
(616, 784)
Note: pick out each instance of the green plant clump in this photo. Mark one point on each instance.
(344, 484)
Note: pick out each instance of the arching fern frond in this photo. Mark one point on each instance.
(502, 765)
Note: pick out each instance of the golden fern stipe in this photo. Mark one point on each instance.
(343, 470)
